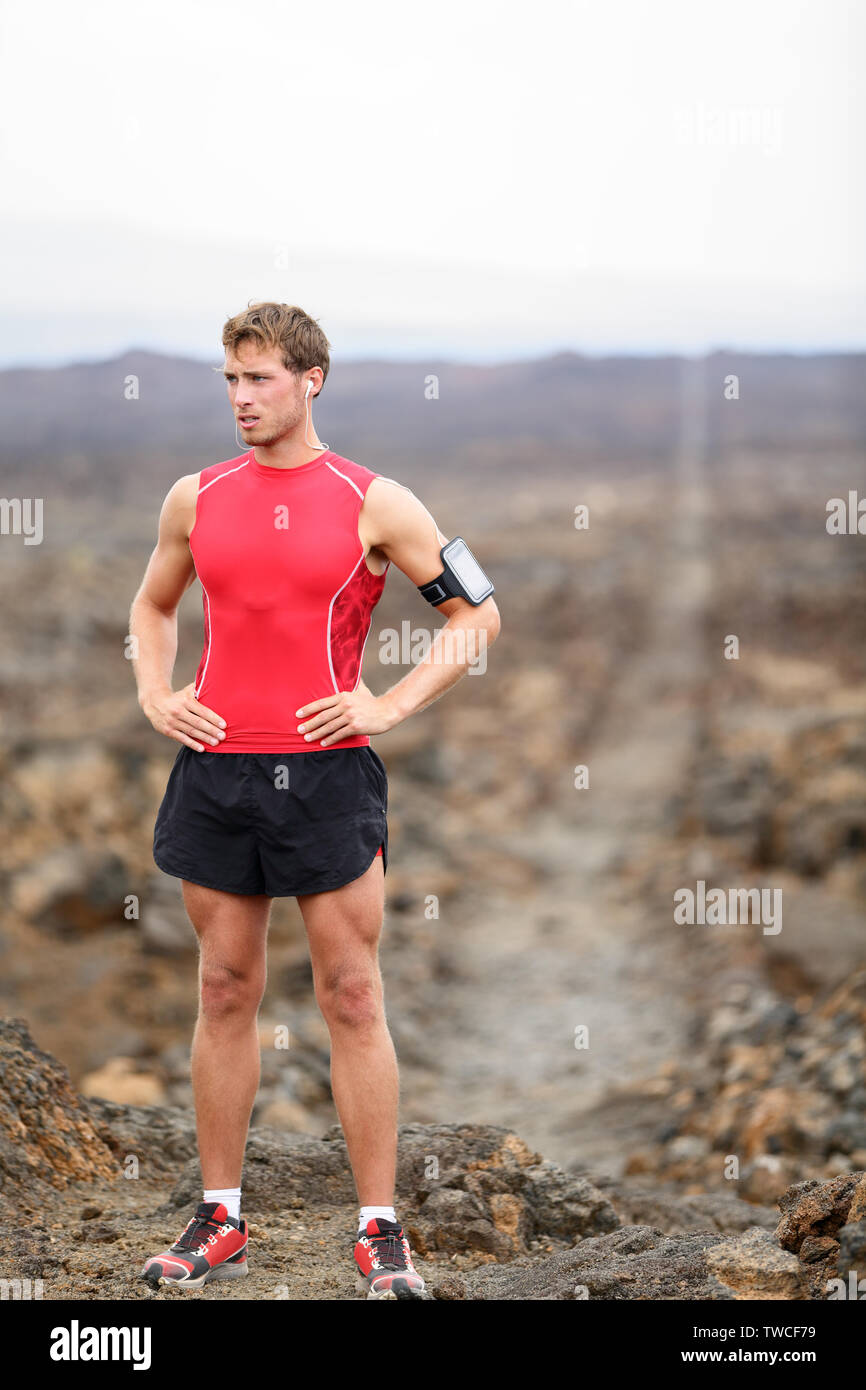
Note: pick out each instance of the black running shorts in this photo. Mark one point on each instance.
(275, 823)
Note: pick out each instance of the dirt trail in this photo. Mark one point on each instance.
(586, 952)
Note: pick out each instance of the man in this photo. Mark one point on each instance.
(276, 790)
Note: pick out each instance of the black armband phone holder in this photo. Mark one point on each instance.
(461, 577)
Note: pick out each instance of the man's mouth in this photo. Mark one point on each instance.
(248, 420)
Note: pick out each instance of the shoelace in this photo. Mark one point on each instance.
(196, 1233)
(389, 1250)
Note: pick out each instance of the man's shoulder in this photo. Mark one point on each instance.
(182, 496)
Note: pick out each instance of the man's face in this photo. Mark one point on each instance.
(266, 398)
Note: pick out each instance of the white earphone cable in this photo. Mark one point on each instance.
(309, 422)
(306, 428)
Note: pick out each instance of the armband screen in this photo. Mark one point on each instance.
(463, 564)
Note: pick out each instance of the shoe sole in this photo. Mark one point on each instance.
(226, 1271)
(399, 1291)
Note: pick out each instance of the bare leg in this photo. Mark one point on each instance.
(343, 928)
(232, 932)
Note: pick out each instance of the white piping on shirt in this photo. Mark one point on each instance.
(220, 476)
(361, 660)
(345, 480)
(209, 642)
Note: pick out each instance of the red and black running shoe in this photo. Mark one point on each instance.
(213, 1246)
(384, 1260)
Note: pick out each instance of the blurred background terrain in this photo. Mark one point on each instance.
(552, 904)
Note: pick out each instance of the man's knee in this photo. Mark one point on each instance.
(351, 998)
(228, 993)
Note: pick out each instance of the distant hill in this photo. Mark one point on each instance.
(74, 421)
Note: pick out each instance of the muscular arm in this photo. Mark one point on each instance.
(394, 525)
(398, 525)
(153, 625)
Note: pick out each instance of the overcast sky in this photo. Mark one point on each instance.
(470, 179)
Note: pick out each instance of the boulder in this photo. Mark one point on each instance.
(753, 1266)
(819, 1209)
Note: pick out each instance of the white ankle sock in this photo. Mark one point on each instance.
(230, 1198)
(367, 1214)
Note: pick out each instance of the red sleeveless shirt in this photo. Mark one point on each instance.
(287, 596)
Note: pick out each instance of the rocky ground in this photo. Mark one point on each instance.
(88, 1188)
